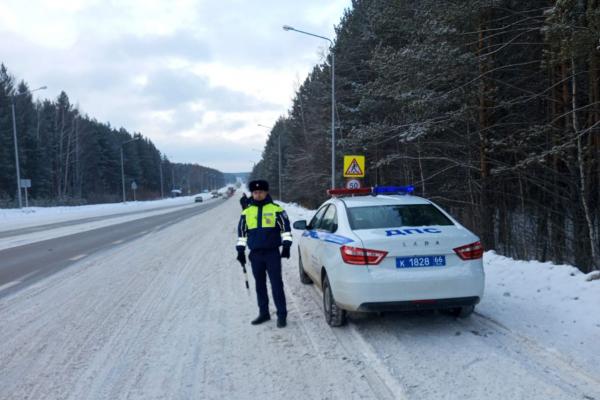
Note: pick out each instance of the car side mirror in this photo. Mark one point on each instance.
(300, 224)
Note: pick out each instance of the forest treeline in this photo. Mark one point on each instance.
(72, 158)
(490, 108)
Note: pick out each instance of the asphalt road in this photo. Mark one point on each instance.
(24, 265)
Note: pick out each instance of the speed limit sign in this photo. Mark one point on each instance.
(353, 184)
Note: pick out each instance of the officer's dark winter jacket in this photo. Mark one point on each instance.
(264, 225)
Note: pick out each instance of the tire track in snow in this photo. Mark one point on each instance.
(354, 347)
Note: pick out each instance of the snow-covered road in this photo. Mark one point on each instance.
(167, 317)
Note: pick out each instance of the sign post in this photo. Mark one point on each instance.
(25, 184)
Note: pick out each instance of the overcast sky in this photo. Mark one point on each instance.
(195, 76)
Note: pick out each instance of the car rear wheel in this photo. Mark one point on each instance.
(334, 315)
(463, 312)
(304, 278)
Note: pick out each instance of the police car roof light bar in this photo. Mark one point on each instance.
(349, 192)
(393, 189)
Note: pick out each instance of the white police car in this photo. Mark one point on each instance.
(371, 249)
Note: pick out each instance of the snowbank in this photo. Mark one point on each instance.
(555, 304)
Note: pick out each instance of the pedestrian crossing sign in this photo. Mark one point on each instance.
(354, 166)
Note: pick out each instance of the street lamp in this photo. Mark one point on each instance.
(278, 160)
(162, 191)
(289, 28)
(122, 167)
(15, 140)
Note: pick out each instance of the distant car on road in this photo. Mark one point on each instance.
(198, 199)
(382, 251)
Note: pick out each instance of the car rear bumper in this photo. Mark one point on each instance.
(452, 287)
(419, 304)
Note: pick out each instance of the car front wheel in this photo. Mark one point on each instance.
(334, 315)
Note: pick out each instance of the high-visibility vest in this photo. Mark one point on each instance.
(263, 226)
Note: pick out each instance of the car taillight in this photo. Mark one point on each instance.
(359, 256)
(473, 251)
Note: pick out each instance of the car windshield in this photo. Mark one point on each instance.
(393, 216)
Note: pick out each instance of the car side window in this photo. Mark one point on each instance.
(329, 221)
(316, 220)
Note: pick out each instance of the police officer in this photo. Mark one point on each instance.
(263, 227)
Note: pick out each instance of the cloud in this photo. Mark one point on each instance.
(170, 88)
(239, 156)
(254, 34)
(181, 44)
(191, 75)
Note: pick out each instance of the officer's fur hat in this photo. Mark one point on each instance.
(258, 185)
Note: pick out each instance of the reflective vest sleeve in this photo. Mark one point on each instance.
(242, 231)
(284, 226)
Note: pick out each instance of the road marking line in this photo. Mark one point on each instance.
(9, 284)
(79, 257)
(118, 241)
(21, 279)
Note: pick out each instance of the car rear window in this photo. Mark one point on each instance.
(393, 216)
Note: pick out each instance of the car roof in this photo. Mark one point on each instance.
(380, 200)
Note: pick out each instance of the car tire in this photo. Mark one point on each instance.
(304, 278)
(463, 312)
(334, 316)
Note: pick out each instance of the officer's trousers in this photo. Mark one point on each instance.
(265, 262)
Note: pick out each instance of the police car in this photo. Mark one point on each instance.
(382, 249)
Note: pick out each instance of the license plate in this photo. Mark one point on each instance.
(420, 261)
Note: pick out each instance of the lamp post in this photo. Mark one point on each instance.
(278, 161)
(14, 120)
(289, 28)
(123, 168)
(162, 191)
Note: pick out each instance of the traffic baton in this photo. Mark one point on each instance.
(245, 276)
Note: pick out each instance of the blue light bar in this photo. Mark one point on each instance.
(393, 189)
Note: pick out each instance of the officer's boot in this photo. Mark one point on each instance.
(260, 319)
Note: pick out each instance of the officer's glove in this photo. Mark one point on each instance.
(241, 256)
(285, 251)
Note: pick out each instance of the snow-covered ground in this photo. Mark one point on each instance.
(167, 316)
(13, 218)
